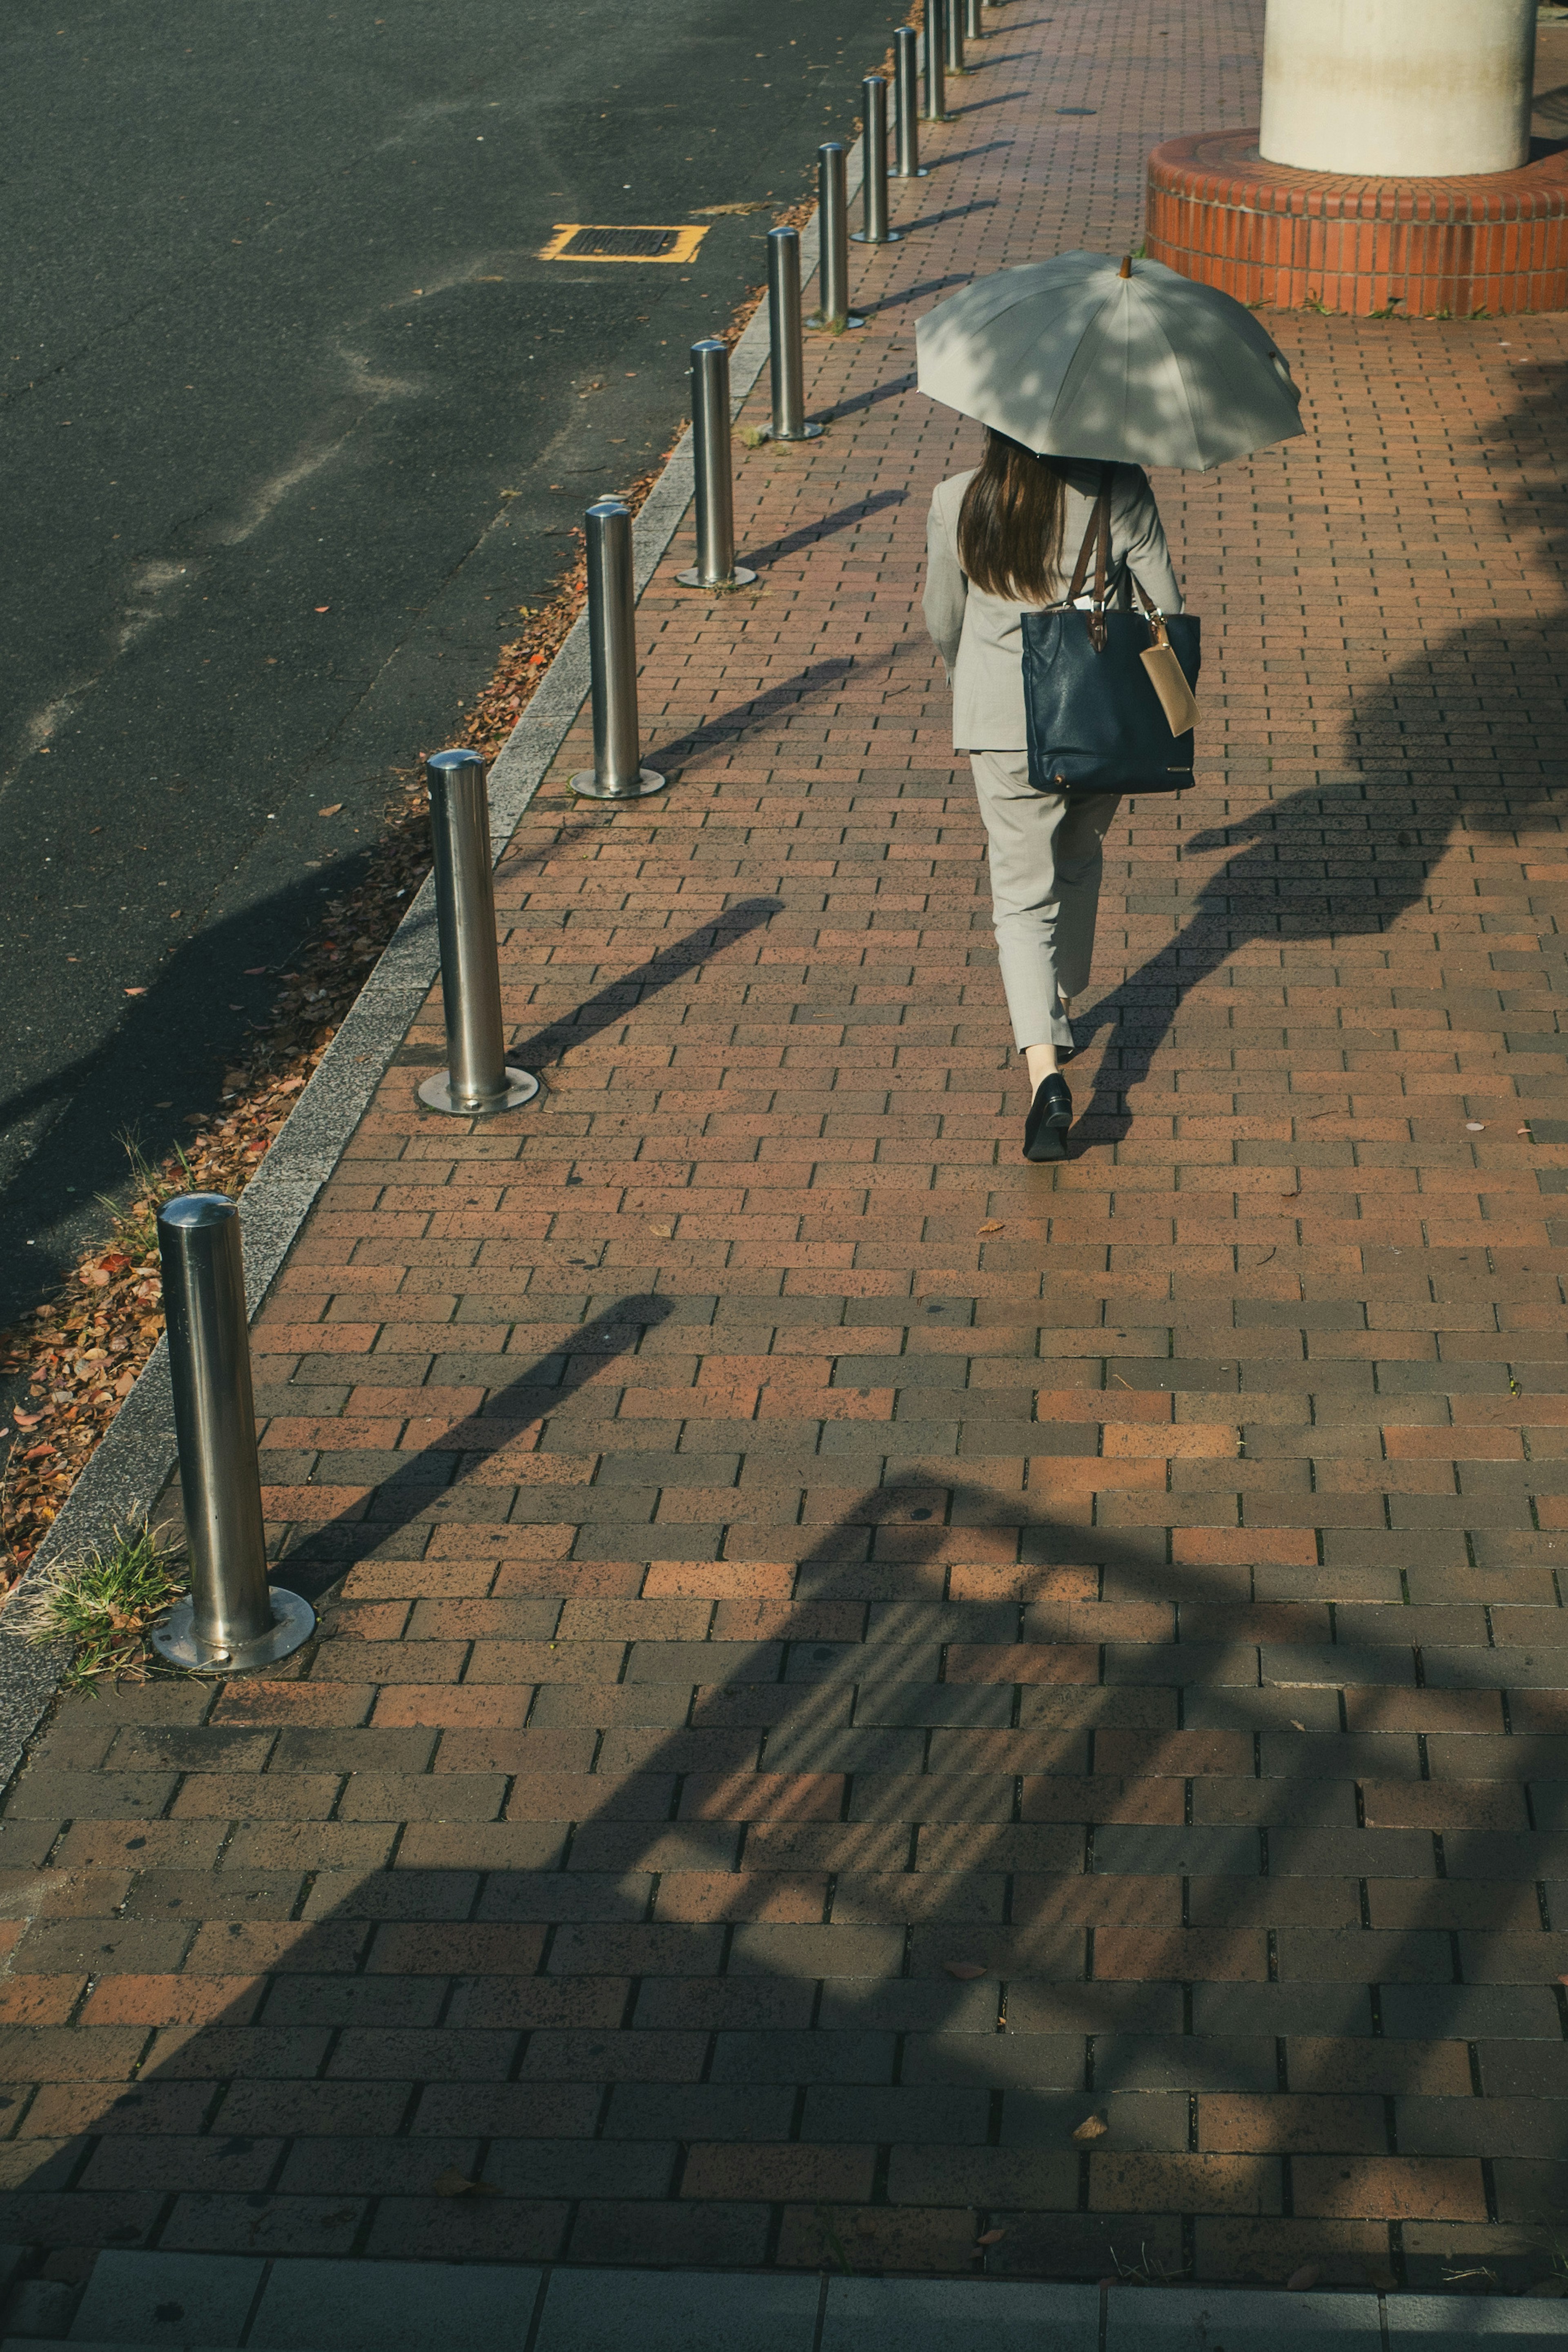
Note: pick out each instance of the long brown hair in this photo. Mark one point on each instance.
(1010, 524)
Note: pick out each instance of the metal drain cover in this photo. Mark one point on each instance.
(620, 244)
(638, 241)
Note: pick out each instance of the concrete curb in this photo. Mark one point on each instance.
(130, 1468)
(299, 2304)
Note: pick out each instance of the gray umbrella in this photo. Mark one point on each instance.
(1077, 358)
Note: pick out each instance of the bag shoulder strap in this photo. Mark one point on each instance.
(1096, 536)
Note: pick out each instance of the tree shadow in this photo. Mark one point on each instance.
(175, 1042)
(806, 1932)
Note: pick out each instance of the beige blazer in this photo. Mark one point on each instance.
(979, 636)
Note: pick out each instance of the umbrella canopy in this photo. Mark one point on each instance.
(1075, 359)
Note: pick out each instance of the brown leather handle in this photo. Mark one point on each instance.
(1098, 536)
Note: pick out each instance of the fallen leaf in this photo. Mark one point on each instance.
(1297, 1726)
(1521, 1130)
(251, 970)
(990, 2237)
(331, 809)
(135, 992)
(995, 1227)
(1291, 1196)
(965, 1971)
(1475, 1127)
(453, 2183)
(664, 1232)
(324, 608)
(26, 1419)
(1091, 2128)
(1300, 2281)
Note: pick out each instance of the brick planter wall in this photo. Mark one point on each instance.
(1269, 234)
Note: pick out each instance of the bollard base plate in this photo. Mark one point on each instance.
(436, 1093)
(818, 325)
(739, 578)
(293, 1622)
(858, 237)
(806, 433)
(586, 782)
(920, 173)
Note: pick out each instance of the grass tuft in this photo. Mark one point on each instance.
(134, 1226)
(104, 1602)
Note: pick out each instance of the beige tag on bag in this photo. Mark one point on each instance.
(1177, 700)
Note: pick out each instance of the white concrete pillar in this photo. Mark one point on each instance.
(1398, 88)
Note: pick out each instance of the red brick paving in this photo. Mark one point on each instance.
(786, 1546)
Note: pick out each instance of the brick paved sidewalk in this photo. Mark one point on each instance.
(783, 1551)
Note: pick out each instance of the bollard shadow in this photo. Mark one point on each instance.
(771, 702)
(966, 154)
(810, 533)
(618, 999)
(863, 399)
(976, 105)
(934, 220)
(512, 1422)
(902, 294)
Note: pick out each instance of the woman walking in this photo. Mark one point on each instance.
(994, 550)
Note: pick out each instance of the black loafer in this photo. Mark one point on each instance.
(1050, 1115)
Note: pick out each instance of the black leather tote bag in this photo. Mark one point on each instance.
(1097, 685)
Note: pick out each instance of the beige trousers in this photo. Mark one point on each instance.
(1047, 855)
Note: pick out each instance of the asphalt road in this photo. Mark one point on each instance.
(294, 419)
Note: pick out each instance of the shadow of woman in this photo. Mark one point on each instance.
(1339, 865)
(1453, 751)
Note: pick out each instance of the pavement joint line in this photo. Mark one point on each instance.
(128, 1470)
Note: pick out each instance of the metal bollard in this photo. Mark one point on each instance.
(786, 363)
(974, 29)
(833, 309)
(476, 1080)
(907, 102)
(234, 1619)
(952, 14)
(874, 164)
(715, 566)
(617, 773)
(933, 46)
